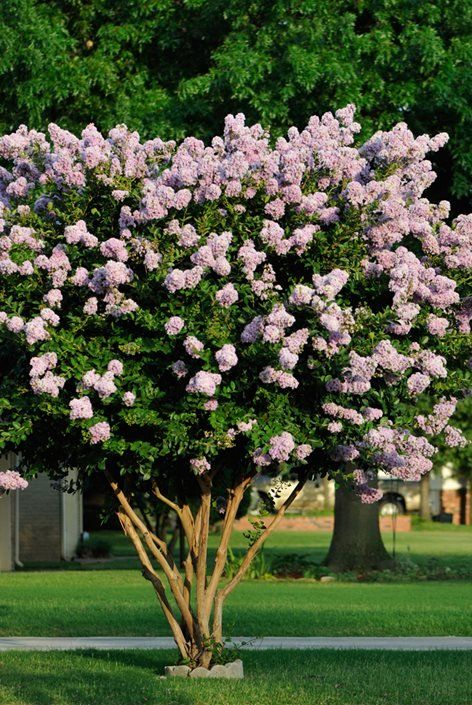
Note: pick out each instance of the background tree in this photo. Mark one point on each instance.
(178, 317)
(174, 68)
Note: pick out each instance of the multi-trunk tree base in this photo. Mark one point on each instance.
(198, 591)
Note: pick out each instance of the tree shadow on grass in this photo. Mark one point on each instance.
(88, 677)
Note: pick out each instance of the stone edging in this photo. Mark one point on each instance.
(229, 670)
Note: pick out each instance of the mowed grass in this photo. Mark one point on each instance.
(272, 678)
(112, 598)
(448, 546)
(101, 603)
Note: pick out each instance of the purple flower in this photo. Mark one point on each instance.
(12, 480)
(53, 298)
(200, 465)
(179, 368)
(114, 249)
(129, 398)
(211, 405)
(226, 358)
(193, 346)
(437, 326)
(204, 383)
(227, 296)
(115, 367)
(174, 325)
(91, 306)
(99, 432)
(303, 451)
(81, 408)
(15, 324)
(280, 447)
(417, 383)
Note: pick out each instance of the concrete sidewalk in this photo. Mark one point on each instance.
(399, 643)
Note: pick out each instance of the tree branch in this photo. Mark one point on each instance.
(222, 594)
(150, 574)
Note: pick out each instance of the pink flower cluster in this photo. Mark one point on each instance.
(226, 357)
(80, 408)
(99, 432)
(129, 398)
(42, 379)
(204, 383)
(200, 466)
(174, 325)
(281, 448)
(79, 235)
(227, 296)
(104, 384)
(12, 480)
(438, 422)
(399, 452)
(193, 346)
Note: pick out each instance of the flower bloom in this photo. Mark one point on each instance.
(204, 383)
(193, 346)
(99, 432)
(211, 405)
(227, 296)
(129, 398)
(12, 480)
(226, 358)
(115, 367)
(280, 447)
(81, 408)
(174, 325)
(200, 465)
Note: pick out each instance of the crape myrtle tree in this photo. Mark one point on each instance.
(175, 314)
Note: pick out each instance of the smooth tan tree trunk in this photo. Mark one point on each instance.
(425, 510)
(356, 544)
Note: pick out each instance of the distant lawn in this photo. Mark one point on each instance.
(272, 678)
(450, 546)
(112, 598)
(121, 602)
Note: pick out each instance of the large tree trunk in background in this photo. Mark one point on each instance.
(326, 494)
(356, 543)
(425, 511)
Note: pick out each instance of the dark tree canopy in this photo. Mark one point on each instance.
(173, 68)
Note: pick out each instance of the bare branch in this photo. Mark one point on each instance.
(248, 558)
(150, 574)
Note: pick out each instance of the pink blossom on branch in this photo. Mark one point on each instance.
(12, 480)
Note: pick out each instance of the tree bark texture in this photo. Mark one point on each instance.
(356, 544)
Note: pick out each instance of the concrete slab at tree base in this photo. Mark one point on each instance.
(228, 670)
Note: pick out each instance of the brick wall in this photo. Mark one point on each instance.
(323, 523)
(457, 503)
(40, 522)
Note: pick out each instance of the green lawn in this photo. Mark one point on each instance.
(449, 546)
(113, 602)
(272, 678)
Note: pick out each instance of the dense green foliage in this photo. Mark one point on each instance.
(171, 68)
